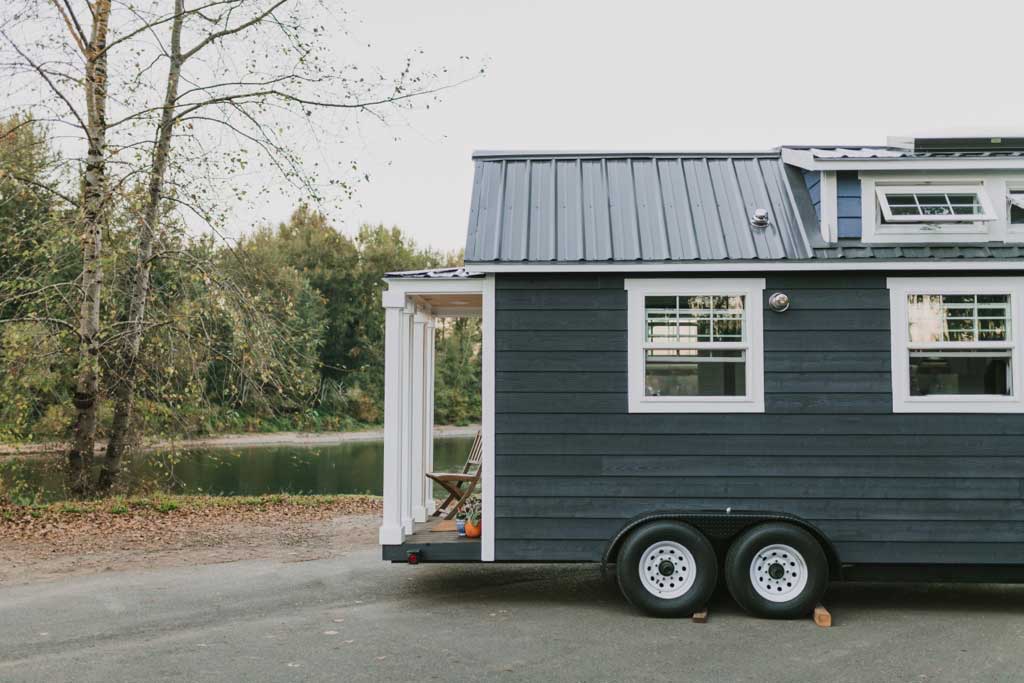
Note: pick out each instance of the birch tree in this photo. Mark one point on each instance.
(212, 102)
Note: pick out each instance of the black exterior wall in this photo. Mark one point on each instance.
(572, 465)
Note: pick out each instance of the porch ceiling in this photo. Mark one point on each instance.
(459, 303)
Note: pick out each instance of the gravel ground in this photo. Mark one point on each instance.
(351, 617)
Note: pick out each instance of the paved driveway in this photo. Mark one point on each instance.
(357, 619)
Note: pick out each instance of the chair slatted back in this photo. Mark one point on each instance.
(476, 453)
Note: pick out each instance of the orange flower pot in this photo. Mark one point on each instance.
(472, 530)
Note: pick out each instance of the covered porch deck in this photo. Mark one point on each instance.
(434, 545)
(413, 302)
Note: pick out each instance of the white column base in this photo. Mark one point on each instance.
(431, 507)
(391, 535)
(419, 514)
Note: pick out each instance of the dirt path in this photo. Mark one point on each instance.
(58, 544)
(243, 440)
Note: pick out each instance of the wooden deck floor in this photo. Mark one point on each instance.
(434, 546)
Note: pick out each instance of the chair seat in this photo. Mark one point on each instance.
(451, 476)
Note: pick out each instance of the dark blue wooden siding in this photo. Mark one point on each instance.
(572, 464)
(848, 209)
(813, 181)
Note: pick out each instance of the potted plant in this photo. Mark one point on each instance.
(473, 512)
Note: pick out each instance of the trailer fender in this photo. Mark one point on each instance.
(723, 527)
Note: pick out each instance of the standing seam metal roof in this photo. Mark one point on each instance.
(622, 207)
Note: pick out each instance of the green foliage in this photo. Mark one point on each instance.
(282, 331)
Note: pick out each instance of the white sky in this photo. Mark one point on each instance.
(672, 76)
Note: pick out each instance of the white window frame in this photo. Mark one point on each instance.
(883, 191)
(902, 402)
(1014, 197)
(753, 343)
(995, 187)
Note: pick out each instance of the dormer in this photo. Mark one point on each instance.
(922, 190)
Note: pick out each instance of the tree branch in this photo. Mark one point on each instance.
(231, 31)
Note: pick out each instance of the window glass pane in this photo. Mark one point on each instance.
(958, 317)
(1017, 208)
(661, 318)
(689, 319)
(963, 373)
(692, 372)
(901, 200)
(925, 204)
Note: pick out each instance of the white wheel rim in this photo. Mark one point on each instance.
(778, 573)
(667, 570)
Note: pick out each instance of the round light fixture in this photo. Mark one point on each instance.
(778, 302)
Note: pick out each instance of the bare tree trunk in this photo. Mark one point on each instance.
(150, 220)
(94, 201)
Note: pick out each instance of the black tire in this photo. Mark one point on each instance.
(701, 580)
(797, 595)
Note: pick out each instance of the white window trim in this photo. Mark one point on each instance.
(1014, 231)
(899, 290)
(994, 185)
(752, 289)
(977, 189)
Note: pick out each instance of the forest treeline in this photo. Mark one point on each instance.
(280, 329)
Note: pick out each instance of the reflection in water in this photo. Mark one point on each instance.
(354, 467)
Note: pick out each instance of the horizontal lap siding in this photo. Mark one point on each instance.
(572, 464)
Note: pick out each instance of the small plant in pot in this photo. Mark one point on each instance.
(472, 509)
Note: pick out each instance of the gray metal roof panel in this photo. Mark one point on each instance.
(616, 207)
(829, 153)
(923, 252)
(434, 274)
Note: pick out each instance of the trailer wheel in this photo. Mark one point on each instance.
(778, 571)
(667, 569)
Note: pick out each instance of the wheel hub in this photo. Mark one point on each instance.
(667, 569)
(778, 573)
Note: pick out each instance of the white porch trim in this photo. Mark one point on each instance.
(391, 532)
(409, 401)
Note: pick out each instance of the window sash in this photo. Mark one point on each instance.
(749, 343)
(905, 352)
(981, 202)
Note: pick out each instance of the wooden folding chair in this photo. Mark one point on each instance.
(460, 485)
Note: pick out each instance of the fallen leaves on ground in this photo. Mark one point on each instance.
(86, 536)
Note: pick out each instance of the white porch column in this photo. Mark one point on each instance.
(391, 532)
(418, 389)
(408, 352)
(428, 454)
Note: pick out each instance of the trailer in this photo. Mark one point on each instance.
(773, 370)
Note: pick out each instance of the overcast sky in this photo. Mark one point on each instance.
(672, 76)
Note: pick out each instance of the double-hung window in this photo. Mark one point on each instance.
(956, 344)
(695, 345)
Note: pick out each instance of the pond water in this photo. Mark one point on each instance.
(354, 467)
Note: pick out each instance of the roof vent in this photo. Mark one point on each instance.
(759, 219)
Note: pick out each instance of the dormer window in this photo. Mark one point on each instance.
(942, 208)
(1016, 210)
(933, 204)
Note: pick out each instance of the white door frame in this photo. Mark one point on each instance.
(403, 358)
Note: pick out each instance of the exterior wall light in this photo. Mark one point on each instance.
(779, 302)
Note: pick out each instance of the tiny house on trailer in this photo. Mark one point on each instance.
(770, 369)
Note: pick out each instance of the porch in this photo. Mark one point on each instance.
(414, 303)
